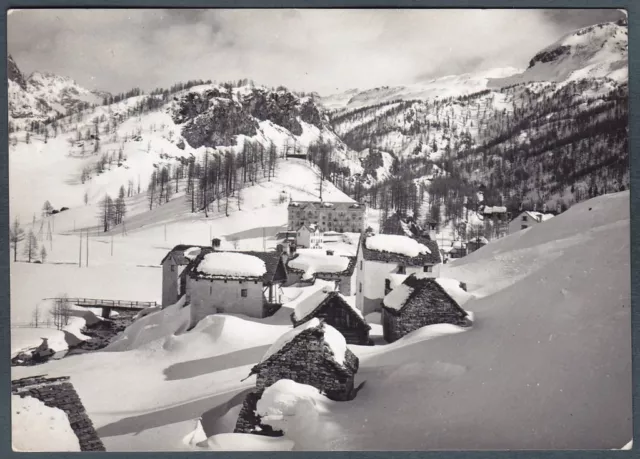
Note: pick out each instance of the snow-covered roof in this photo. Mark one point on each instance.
(398, 297)
(332, 337)
(310, 303)
(454, 290)
(392, 248)
(402, 245)
(396, 279)
(192, 252)
(318, 261)
(231, 264)
(494, 210)
(403, 294)
(318, 300)
(538, 216)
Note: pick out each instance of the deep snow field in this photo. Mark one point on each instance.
(546, 365)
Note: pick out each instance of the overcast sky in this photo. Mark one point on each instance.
(313, 50)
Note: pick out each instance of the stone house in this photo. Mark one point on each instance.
(174, 280)
(339, 269)
(314, 353)
(59, 393)
(416, 303)
(327, 216)
(380, 255)
(335, 310)
(527, 219)
(246, 283)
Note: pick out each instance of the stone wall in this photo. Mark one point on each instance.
(308, 364)
(429, 306)
(59, 393)
(249, 422)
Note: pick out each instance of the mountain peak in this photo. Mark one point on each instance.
(596, 51)
(14, 73)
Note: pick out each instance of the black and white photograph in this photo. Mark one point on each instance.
(319, 229)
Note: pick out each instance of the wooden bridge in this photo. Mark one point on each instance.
(108, 305)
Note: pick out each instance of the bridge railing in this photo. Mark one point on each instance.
(109, 303)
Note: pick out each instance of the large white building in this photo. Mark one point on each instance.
(223, 282)
(327, 216)
(382, 258)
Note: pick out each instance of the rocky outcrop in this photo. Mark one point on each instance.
(549, 56)
(280, 107)
(14, 73)
(215, 116)
(220, 121)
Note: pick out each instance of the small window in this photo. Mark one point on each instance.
(243, 293)
(524, 218)
(360, 287)
(428, 269)
(401, 269)
(361, 264)
(173, 268)
(524, 227)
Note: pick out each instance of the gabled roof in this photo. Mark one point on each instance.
(403, 295)
(431, 257)
(346, 272)
(308, 311)
(537, 216)
(271, 260)
(178, 253)
(345, 362)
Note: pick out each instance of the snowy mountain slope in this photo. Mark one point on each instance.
(151, 132)
(43, 96)
(518, 139)
(597, 51)
(442, 87)
(60, 92)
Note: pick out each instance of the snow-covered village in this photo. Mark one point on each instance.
(218, 244)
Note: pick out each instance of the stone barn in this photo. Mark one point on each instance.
(315, 354)
(174, 280)
(59, 393)
(246, 283)
(418, 302)
(338, 312)
(380, 255)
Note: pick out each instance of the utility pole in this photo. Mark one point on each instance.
(264, 242)
(87, 262)
(80, 252)
(165, 232)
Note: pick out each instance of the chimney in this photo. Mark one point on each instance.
(215, 243)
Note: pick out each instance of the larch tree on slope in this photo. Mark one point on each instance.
(31, 246)
(16, 234)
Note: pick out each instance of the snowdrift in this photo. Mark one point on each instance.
(546, 366)
(37, 427)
